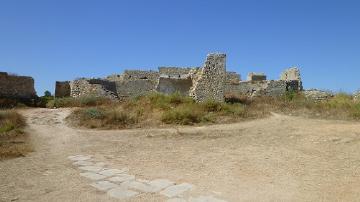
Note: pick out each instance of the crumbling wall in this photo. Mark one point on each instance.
(134, 88)
(209, 82)
(232, 77)
(135, 83)
(62, 89)
(91, 87)
(131, 75)
(175, 71)
(261, 88)
(16, 87)
(292, 74)
(171, 85)
(317, 95)
(252, 76)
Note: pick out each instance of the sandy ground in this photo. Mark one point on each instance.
(280, 158)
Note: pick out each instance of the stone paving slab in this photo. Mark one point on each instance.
(104, 185)
(91, 168)
(121, 185)
(111, 172)
(139, 186)
(93, 176)
(176, 190)
(83, 163)
(121, 193)
(119, 178)
(160, 184)
(79, 158)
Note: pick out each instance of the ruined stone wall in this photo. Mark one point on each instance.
(131, 75)
(62, 89)
(292, 74)
(175, 71)
(209, 82)
(92, 87)
(261, 88)
(256, 76)
(232, 77)
(134, 88)
(135, 83)
(16, 87)
(171, 85)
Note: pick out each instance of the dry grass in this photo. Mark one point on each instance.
(14, 141)
(77, 102)
(158, 109)
(340, 107)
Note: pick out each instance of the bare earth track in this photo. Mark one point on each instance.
(280, 158)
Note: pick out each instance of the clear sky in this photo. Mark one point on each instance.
(64, 39)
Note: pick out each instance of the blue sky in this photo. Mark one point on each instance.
(65, 39)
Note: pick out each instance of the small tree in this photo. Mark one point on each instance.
(47, 94)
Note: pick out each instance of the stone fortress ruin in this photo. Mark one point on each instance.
(209, 82)
(17, 87)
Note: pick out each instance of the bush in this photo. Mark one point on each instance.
(10, 120)
(13, 141)
(162, 101)
(185, 115)
(120, 118)
(93, 113)
(212, 106)
(356, 111)
(87, 101)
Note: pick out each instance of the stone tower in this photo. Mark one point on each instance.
(209, 81)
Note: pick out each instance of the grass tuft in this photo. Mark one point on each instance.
(13, 140)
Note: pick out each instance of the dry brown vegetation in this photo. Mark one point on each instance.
(14, 141)
(158, 109)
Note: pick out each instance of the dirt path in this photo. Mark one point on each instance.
(276, 159)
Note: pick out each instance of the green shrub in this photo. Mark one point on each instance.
(93, 113)
(6, 127)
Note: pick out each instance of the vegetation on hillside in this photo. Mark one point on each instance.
(13, 140)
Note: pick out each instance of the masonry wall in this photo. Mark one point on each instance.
(85, 88)
(62, 89)
(175, 71)
(171, 85)
(16, 87)
(292, 75)
(134, 88)
(262, 88)
(232, 77)
(209, 83)
(131, 75)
